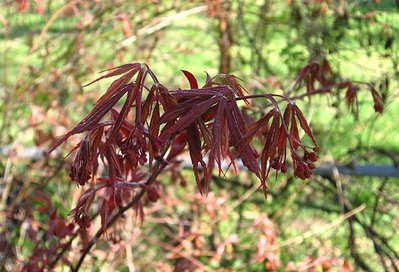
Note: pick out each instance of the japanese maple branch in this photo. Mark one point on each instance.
(322, 90)
(63, 250)
(157, 169)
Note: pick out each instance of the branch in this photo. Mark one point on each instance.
(164, 22)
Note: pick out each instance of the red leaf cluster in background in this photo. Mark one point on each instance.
(352, 100)
(319, 78)
(154, 121)
(58, 232)
(23, 5)
(315, 73)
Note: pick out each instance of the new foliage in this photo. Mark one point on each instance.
(156, 124)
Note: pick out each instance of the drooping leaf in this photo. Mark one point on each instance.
(294, 133)
(194, 145)
(378, 104)
(255, 128)
(304, 124)
(247, 153)
(218, 129)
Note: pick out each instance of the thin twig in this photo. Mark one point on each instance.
(352, 246)
(164, 22)
(377, 202)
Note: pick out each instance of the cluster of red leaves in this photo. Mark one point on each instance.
(58, 228)
(154, 120)
(23, 5)
(267, 240)
(313, 73)
(352, 100)
(319, 78)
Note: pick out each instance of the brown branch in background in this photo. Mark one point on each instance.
(162, 23)
(352, 246)
(340, 192)
(218, 10)
(377, 201)
(225, 41)
(262, 31)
